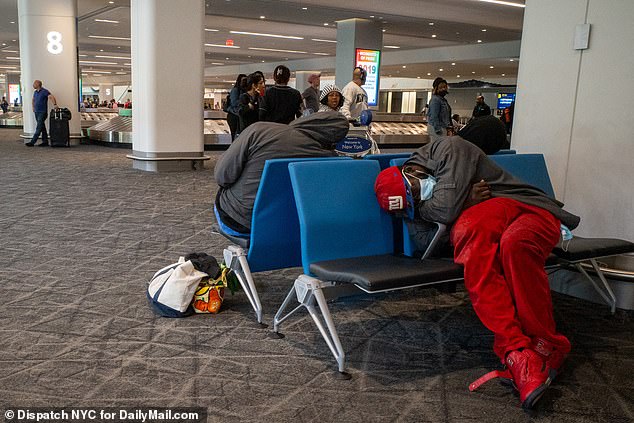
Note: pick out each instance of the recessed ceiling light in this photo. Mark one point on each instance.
(14, 40)
(511, 60)
(384, 30)
(391, 47)
(453, 63)
(262, 61)
(504, 3)
(431, 24)
(106, 21)
(428, 73)
(304, 8)
(418, 77)
(323, 41)
(12, 22)
(220, 45)
(262, 34)
(109, 38)
(112, 57)
(325, 23)
(491, 67)
(484, 30)
(503, 74)
(371, 16)
(111, 2)
(441, 69)
(277, 50)
(479, 41)
(404, 66)
(473, 73)
(262, 17)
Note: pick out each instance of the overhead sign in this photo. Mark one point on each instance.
(370, 61)
(14, 93)
(505, 100)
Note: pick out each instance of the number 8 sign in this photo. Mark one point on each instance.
(54, 45)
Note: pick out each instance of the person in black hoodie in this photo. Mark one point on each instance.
(250, 101)
(281, 103)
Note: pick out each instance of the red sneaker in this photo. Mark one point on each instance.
(553, 357)
(526, 371)
(531, 375)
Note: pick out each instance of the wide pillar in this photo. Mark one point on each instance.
(351, 35)
(106, 92)
(167, 52)
(48, 52)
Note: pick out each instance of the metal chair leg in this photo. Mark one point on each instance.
(236, 259)
(606, 293)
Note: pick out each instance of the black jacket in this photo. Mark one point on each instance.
(280, 104)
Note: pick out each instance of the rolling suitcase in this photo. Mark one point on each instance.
(59, 130)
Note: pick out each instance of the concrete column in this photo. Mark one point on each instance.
(352, 34)
(48, 52)
(106, 92)
(167, 52)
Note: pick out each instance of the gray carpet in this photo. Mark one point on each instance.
(80, 235)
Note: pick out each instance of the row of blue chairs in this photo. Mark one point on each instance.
(330, 228)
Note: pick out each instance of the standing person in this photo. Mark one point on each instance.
(502, 231)
(507, 117)
(40, 107)
(233, 105)
(281, 103)
(331, 99)
(262, 89)
(249, 109)
(355, 97)
(481, 108)
(5, 105)
(311, 94)
(439, 115)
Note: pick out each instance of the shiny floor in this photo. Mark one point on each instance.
(81, 233)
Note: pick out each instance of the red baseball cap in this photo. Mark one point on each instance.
(392, 193)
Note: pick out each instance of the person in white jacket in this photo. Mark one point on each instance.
(355, 97)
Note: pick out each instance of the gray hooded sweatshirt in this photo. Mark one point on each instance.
(457, 164)
(239, 169)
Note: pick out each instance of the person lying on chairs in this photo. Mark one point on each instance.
(502, 231)
(239, 169)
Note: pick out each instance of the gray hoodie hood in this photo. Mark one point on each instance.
(327, 128)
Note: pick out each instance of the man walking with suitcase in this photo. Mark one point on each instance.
(40, 107)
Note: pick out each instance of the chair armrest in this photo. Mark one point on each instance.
(434, 242)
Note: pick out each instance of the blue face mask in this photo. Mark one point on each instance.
(426, 184)
(566, 234)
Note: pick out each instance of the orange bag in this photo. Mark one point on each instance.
(210, 293)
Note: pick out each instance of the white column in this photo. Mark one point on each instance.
(48, 52)
(167, 76)
(106, 92)
(352, 34)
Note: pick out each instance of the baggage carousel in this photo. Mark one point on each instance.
(11, 120)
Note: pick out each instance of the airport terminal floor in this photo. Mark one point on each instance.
(81, 233)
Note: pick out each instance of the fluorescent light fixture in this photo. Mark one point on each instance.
(321, 40)
(113, 57)
(7, 67)
(220, 45)
(391, 47)
(277, 50)
(504, 3)
(83, 55)
(103, 37)
(10, 51)
(95, 71)
(261, 34)
(322, 54)
(217, 63)
(120, 73)
(89, 62)
(107, 21)
(13, 58)
(211, 30)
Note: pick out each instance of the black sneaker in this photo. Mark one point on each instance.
(44, 144)
(28, 144)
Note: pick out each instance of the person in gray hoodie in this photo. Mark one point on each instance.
(502, 231)
(239, 169)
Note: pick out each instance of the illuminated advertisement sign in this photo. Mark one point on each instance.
(505, 100)
(369, 60)
(14, 93)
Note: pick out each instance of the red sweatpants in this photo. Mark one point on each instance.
(503, 245)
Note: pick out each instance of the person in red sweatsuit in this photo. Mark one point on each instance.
(502, 231)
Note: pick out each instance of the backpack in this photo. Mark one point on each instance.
(172, 289)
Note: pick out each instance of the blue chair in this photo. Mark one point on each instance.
(348, 244)
(384, 159)
(502, 152)
(529, 168)
(273, 242)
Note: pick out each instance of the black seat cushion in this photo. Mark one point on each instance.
(240, 241)
(580, 248)
(377, 273)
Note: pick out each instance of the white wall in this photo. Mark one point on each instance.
(572, 105)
